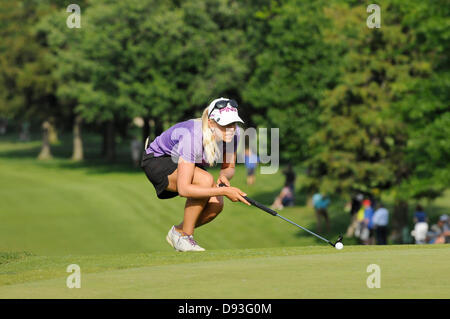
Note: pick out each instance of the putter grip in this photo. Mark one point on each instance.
(255, 203)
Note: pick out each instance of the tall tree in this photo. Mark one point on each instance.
(363, 143)
(26, 84)
(427, 112)
(163, 61)
(293, 69)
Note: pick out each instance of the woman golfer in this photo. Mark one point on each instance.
(175, 164)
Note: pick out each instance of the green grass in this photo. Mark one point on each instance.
(107, 219)
(307, 272)
(59, 207)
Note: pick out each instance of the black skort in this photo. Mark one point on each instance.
(157, 170)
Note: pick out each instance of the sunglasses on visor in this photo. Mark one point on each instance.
(223, 103)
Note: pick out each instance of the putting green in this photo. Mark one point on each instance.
(307, 272)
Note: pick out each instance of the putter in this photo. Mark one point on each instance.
(274, 213)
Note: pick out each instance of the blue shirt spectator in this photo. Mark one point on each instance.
(323, 203)
(320, 202)
(316, 198)
(368, 214)
(420, 216)
(251, 161)
(381, 217)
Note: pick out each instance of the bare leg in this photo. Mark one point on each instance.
(211, 210)
(194, 206)
(192, 212)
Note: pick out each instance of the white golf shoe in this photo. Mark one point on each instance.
(182, 243)
(187, 243)
(172, 236)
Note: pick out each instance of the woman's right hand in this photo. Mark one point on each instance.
(235, 194)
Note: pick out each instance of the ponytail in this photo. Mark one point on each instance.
(209, 141)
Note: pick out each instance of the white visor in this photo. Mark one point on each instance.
(225, 115)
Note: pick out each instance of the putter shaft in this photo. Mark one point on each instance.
(274, 213)
(312, 233)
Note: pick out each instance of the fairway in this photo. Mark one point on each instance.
(307, 272)
(59, 207)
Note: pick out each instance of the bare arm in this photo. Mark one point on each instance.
(186, 188)
(228, 165)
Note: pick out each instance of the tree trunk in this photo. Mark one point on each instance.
(109, 144)
(399, 220)
(45, 150)
(77, 153)
(52, 133)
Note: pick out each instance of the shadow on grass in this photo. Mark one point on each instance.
(31, 152)
(93, 163)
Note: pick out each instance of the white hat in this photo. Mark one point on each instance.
(223, 116)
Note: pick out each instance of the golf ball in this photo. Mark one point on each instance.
(339, 246)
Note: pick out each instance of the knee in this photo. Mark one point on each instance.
(216, 204)
(207, 180)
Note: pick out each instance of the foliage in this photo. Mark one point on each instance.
(26, 87)
(144, 58)
(291, 74)
(364, 142)
(363, 108)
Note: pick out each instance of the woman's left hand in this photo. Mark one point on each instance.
(223, 179)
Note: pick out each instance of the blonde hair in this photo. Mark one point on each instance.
(210, 146)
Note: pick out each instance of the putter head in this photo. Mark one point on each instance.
(339, 240)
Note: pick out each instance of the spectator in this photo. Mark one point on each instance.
(420, 233)
(355, 206)
(380, 223)
(286, 196)
(421, 226)
(440, 233)
(136, 149)
(356, 203)
(361, 231)
(320, 204)
(290, 176)
(368, 222)
(251, 161)
(420, 216)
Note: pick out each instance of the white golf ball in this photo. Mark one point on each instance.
(339, 245)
